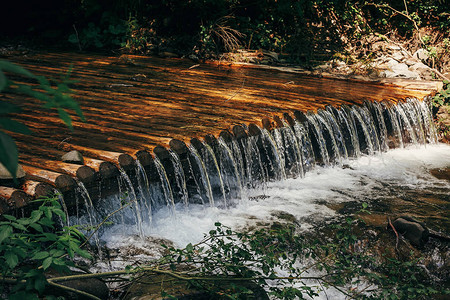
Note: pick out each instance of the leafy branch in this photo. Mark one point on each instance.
(53, 94)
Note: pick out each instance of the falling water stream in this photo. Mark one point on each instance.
(303, 169)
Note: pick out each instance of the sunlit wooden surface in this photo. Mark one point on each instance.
(135, 103)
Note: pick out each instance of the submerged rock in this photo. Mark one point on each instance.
(414, 231)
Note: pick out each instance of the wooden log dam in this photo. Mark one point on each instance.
(134, 105)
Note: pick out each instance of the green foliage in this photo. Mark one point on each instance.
(32, 245)
(109, 32)
(54, 94)
(443, 96)
(229, 264)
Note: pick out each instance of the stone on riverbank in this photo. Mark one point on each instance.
(73, 157)
(414, 231)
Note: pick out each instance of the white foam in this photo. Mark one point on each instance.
(304, 197)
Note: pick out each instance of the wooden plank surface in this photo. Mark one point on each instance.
(136, 103)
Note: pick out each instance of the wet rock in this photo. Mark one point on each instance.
(443, 174)
(73, 157)
(412, 230)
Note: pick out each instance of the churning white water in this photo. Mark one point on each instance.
(362, 179)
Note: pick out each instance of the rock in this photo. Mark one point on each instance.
(395, 69)
(423, 70)
(394, 47)
(419, 66)
(5, 175)
(421, 54)
(73, 157)
(411, 61)
(193, 57)
(167, 54)
(412, 230)
(398, 56)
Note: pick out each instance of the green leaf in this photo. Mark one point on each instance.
(11, 259)
(37, 227)
(9, 217)
(5, 232)
(47, 262)
(39, 283)
(189, 248)
(3, 81)
(41, 255)
(65, 117)
(6, 108)
(19, 226)
(13, 68)
(22, 295)
(14, 126)
(9, 156)
(35, 216)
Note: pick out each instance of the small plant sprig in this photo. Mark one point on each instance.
(443, 96)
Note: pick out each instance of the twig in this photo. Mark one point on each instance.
(78, 38)
(194, 66)
(396, 234)
(120, 84)
(72, 290)
(232, 96)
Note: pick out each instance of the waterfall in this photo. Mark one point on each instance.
(180, 179)
(218, 172)
(205, 183)
(168, 196)
(89, 218)
(144, 192)
(131, 199)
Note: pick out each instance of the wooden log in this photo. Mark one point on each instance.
(267, 124)
(144, 157)
(253, 130)
(11, 198)
(288, 118)
(37, 189)
(62, 182)
(226, 136)
(84, 173)
(278, 122)
(106, 169)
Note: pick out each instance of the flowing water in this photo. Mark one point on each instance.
(304, 170)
